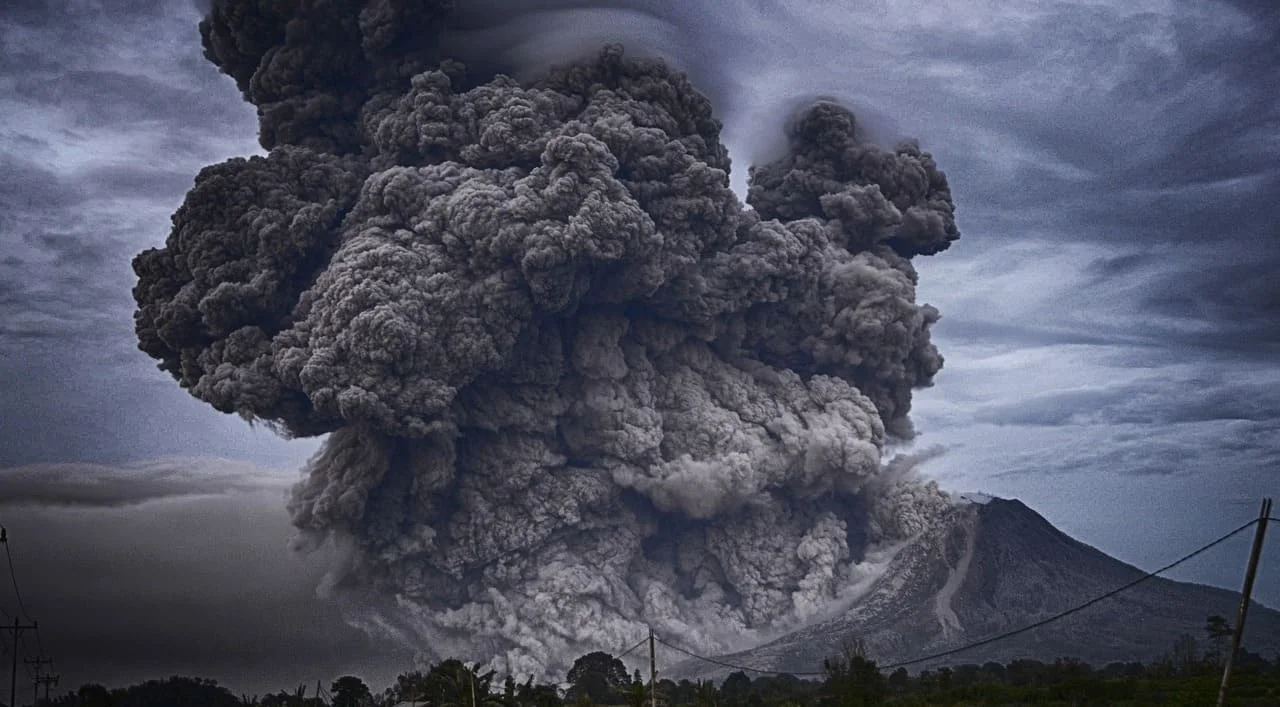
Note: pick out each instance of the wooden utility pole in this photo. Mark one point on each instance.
(1258, 535)
(46, 680)
(17, 630)
(653, 673)
(35, 686)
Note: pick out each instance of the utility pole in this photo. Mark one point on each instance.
(1258, 535)
(653, 673)
(17, 630)
(35, 686)
(46, 680)
(473, 684)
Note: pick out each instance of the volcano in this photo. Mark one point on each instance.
(989, 566)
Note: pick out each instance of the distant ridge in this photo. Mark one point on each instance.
(992, 565)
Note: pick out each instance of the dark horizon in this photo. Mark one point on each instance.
(315, 640)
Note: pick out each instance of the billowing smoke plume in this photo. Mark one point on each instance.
(570, 384)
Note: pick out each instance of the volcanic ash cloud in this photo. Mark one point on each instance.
(571, 385)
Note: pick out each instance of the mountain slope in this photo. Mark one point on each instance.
(985, 569)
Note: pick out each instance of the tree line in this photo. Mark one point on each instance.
(1187, 674)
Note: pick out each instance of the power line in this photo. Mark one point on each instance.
(992, 639)
(18, 629)
(639, 643)
(4, 539)
(26, 654)
(1074, 609)
(723, 664)
(14, 577)
(38, 662)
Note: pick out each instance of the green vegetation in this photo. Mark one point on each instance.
(1184, 676)
(852, 681)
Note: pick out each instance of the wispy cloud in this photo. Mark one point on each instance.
(103, 485)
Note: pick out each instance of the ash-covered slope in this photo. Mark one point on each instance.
(985, 569)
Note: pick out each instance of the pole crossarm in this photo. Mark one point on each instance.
(16, 628)
(47, 680)
(39, 662)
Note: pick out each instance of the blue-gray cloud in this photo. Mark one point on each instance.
(132, 483)
(1160, 400)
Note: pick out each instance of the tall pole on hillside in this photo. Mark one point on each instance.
(1245, 594)
(653, 673)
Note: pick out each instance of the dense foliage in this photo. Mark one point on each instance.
(1186, 675)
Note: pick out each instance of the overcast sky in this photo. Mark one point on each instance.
(1111, 314)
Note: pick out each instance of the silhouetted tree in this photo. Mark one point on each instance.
(736, 689)
(350, 691)
(966, 675)
(852, 680)
(706, 695)
(899, 679)
(509, 691)
(685, 693)
(1070, 669)
(94, 695)
(189, 692)
(1219, 631)
(784, 688)
(637, 692)
(409, 687)
(993, 671)
(1024, 672)
(297, 698)
(944, 679)
(452, 683)
(531, 695)
(599, 677)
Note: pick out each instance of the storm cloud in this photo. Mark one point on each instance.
(571, 385)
